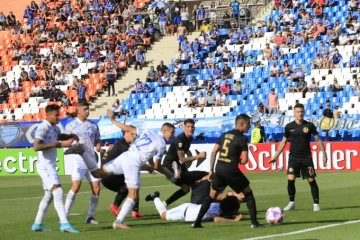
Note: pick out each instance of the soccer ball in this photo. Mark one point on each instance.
(274, 215)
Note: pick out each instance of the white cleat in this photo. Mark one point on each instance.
(290, 206)
(316, 207)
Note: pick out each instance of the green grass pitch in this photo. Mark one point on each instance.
(339, 202)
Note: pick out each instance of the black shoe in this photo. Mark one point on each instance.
(196, 225)
(152, 196)
(257, 225)
(78, 149)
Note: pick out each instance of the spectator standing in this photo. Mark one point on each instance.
(162, 22)
(273, 102)
(81, 91)
(257, 134)
(110, 78)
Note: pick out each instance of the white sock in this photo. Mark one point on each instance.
(93, 205)
(160, 207)
(70, 199)
(89, 162)
(43, 207)
(59, 204)
(125, 209)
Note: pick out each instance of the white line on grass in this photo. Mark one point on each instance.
(14, 199)
(305, 230)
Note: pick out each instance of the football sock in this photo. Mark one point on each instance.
(160, 207)
(43, 207)
(136, 206)
(251, 205)
(122, 194)
(126, 208)
(70, 199)
(314, 191)
(93, 205)
(89, 162)
(291, 190)
(205, 205)
(59, 204)
(178, 194)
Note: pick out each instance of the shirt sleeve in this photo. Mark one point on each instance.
(214, 209)
(97, 132)
(41, 131)
(244, 144)
(287, 132)
(159, 155)
(179, 145)
(313, 130)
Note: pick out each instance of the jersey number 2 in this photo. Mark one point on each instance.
(143, 141)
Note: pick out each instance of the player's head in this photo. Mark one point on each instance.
(82, 109)
(129, 136)
(229, 206)
(299, 111)
(189, 127)
(242, 123)
(52, 113)
(168, 131)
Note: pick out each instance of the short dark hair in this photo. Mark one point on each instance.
(189, 121)
(299, 105)
(244, 117)
(52, 108)
(82, 104)
(169, 125)
(229, 204)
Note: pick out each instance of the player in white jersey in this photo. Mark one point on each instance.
(46, 142)
(224, 211)
(149, 145)
(89, 137)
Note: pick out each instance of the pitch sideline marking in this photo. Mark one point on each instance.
(14, 199)
(305, 230)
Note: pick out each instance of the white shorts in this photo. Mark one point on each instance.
(48, 176)
(129, 164)
(185, 212)
(79, 169)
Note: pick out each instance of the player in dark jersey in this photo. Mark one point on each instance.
(116, 183)
(175, 158)
(233, 148)
(298, 133)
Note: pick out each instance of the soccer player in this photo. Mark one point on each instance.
(89, 136)
(149, 145)
(116, 183)
(46, 142)
(175, 158)
(233, 148)
(298, 133)
(218, 212)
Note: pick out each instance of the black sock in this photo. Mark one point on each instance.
(251, 205)
(178, 194)
(291, 190)
(314, 191)
(205, 205)
(136, 206)
(122, 194)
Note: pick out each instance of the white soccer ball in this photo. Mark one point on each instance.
(274, 215)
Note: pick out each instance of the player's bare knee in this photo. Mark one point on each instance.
(95, 188)
(75, 187)
(311, 180)
(133, 193)
(291, 177)
(185, 188)
(55, 187)
(163, 215)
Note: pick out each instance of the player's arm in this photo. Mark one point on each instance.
(183, 159)
(214, 152)
(222, 219)
(160, 169)
(244, 157)
(147, 167)
(124, 127)
(39, 145)
(321, 146)
(97, 140)
(279, 150)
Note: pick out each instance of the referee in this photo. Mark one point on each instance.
(116, 183)
(233, 148)
(298, 133)
(175, 158)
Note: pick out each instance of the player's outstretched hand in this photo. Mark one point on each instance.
(110, 114)
(272, 160)
(324, 159)
(99, 150)
(210, 176)
(238, 218)
(202, 155)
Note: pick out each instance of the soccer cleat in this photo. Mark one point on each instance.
(316, 207)
(196, 225)
(68, 228)
(290, 206)
(39, 228)
(152, 196)
(91, 220)
(77, 149)
(257, 225)
(177, 170)
(114, 209)
(136, 215)
(119, 225)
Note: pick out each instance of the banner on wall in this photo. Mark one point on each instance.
(22, 162)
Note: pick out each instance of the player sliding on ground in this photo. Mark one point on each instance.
(46, 142)
(149, 145)
(299, 133)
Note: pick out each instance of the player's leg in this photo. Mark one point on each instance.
(43, 207)
(308, 172)
(94, 199)
(116, 183)
(126, 208)
(293, 171)
(184, 189)
(77, 175)
(160, 206)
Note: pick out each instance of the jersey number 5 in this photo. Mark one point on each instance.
(224, 148)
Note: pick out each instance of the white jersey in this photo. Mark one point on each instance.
(149, 145)
(87, 132)
(47, 133)
(188, 212)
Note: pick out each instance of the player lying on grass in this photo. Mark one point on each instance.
(224, 211)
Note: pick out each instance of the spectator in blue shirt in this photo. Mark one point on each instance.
(81, 91)
(217, 73)
(32, 74)
(243, 37)
(162, 22)
(250, 61)
(140, 59)
(235, 37)
(336, 60)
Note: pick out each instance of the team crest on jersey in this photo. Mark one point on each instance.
(180, 145)
(305, 130)
(291, 169)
